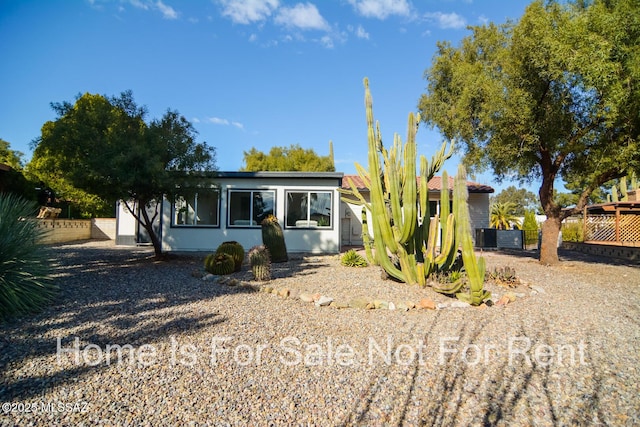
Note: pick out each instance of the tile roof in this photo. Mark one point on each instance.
(435, 184)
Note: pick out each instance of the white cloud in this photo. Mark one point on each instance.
(361, 33)
(303, 16)
(381, 9)
(167, 11)
(446, 20)
(224, 122)
(218, 121)
(139, 4)
(248, 11)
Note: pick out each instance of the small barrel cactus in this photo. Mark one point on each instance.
(273, 239)
(234, 249)
(219, 264)
(260, 261)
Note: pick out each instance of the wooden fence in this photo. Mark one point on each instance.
(615, 225)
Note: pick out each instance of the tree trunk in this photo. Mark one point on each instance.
(147, 224)
(142, 216)
(549, 244)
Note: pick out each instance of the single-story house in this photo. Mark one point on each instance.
(232, 205)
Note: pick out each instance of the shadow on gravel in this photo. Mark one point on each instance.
(107, 296)
(504, 386)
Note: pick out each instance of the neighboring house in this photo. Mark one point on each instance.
(307, 204)
(351, 215)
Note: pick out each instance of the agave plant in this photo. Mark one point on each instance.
(24, 282)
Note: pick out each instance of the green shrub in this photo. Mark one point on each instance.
(573, 231)
(530, 228)
(234, 249)
(24, 282)
(352, 259)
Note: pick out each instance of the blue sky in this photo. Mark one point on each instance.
(246, 73)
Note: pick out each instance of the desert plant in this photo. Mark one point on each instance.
(219, 263)
(260, 262)
(502, 216)
(505, 276)
(474, 267)
(24, 282)
(353, 259)
(234, 249)
(273, 239)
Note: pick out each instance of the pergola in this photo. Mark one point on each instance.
(615, 223)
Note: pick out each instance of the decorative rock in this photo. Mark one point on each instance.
(511, 296)
(392, 306)
(482, 306)
(520, 295)
(402, 307)
(323, 301)
(316, 297)
(504, 300)
(293, 293)
(339, 305)
(410, 304)
(284, 293)
(538, 289)
(427, 303)
(231, 282)
(442, 305)
(267, 289)
(380, 304)
(359, 303)
(306, 297)
(460, 304)
(209, 277)
(370, 306)
(274, 291)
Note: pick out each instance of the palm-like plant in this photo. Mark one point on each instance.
(24, 282)
(502, 216)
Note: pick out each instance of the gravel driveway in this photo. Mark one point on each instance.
(132, 341)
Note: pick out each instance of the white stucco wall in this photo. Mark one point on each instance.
(313, 240)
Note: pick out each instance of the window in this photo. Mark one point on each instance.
(308, 209)
(247, 208)
(197, 208)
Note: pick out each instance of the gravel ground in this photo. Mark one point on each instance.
(565, 352)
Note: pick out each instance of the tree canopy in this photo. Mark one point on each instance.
(522, 199)
(10, 157)
(553, 95)
(105, 147)
(292, 158)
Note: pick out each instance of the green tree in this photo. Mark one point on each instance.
(522, 198)
(292, 158)
(502, 216)
(105, 147)
(554, 95)
(10, 157)
(14, 180)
